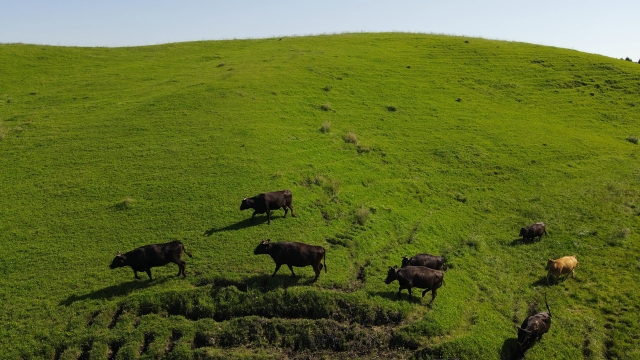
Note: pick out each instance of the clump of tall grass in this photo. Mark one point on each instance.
(125, 204)
(326, 127)
(351, 138)
(362, 215)
(325, 107)
(619, 237)
(632, 139)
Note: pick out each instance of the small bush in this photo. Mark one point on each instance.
(327, 88)
(362, 215)
(125, 204)
(632, 139)
(391, 108)
(325, 107)
(350, 137)
(326, 127)
(618, 237)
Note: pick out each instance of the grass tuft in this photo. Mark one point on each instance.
(362, 215)
(325, 107)
(326, 127)
(125, 204)
(632, 139)
(619, 237)
(351, 138)
(391, 108)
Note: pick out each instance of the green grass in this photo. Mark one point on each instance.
(460, 143)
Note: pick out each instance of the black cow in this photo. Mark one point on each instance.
(532, 231)
(426, 260)
(146, 257)
(416, 276)
(533, 328)
(268, 201)
(293, 254)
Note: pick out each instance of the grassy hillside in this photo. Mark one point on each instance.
(460, 142)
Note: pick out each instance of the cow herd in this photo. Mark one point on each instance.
(423, 271)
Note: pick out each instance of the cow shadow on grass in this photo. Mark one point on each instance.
(114, 290)
(542, 282)
(262, 283)
(519, 241)
(510, 350)
(393, 295)
(239, 225)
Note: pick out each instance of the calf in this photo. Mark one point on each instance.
(146, 257)
(532, 231)
(564, 265)
(533, 328)
(416, 276)
(293, 254)
(268, 201)
(426, 260)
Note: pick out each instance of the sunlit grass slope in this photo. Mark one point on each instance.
(460, 142)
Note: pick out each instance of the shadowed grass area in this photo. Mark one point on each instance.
(459, 144)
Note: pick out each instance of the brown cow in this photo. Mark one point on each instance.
(416, 276)
(146, 257)
(532, 231)
(533, 327)
(293, 254)
(564, 265)
(426, 260)
(265, 202)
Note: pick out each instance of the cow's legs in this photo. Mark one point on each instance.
(252, 216)
(292, 214)
(434, 292)
(285, 210)
(317, 269)
(135, 274)
(149, 273)
(268, 217)
(181, 267)
(291, 268)
(277, 268)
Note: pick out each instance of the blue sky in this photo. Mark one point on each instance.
(606, 27)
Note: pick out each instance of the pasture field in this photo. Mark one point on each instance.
(392, 144)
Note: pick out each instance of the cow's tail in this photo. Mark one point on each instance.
(185, 250)
(546, 303)
(324, 260)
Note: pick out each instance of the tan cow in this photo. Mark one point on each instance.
(564, 265)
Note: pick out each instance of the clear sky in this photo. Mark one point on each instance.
(606, 27)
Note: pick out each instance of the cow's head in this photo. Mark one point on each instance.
(391, 275)
(525, 339)
(263, 248)
(118, 261)
(523, 231)
(405, 261)
(247, 203)
(550, 264)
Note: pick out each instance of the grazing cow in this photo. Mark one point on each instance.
(268, 201)
(564, 265)
(426, 260)
(146, 257)
(416, 276)
(532, 231)
(533, 328)
(293, 254)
